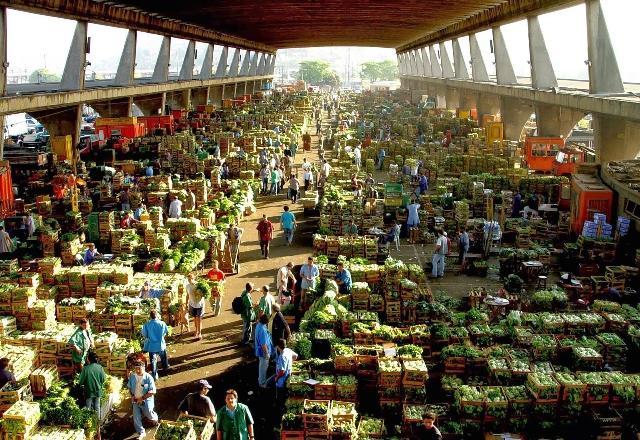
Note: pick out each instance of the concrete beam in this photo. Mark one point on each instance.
(570, 98)
(127, 64)
(436, 69)
(207, 63)
(604, 74)
(514, 113)
(114, 108)
(459, 64)
(235, 64)
(615, 139)
(478, 66)
(161, 70)
(37, 101)
(151, 105)
(73, 74)
(221, 71)
(186, 70)
(556, 121)
(542, 74)
(504, 68)
(426, 63)
(506, 12)
(445, 61)
(122, 15)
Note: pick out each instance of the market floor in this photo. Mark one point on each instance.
(218, 357)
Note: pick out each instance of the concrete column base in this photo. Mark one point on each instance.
(615, 138)
(200, 96)
(514, 114)
(151, 105)
(556, 121)
(61, 122)
(215, 95)
(115, 108)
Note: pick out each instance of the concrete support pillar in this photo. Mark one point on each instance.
(235, 64)
(399, 61)
(73, 74)
(487, 105)
(62, 122)
(272, 67)
(215, 95)
(468, 100)
(151, 105)
(207, 63)
(478, 67)
(426, 63)
(114, 108)
(452, 97)
(127, 64)
(420, 64)
(253, 64)
(179, 100)
(505, 74)
(542, 74)
(186, 70)
(445, 61)
(221, 70)
(556, 121)
(417, 94)
(161, 70)
(604, 74)
(3, 70)
(261, 65)
(459, 63)
(514, 113)
(228, 91)
(244, 70)
(199, 96)
(436, 69)
(615, 138)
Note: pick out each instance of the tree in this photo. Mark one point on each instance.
(43, 75)
(379, 70)
(318, 73)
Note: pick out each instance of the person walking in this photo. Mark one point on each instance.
(278, 326)
(154, 332)
(196, 304)
(283, 277)
(263, 347)
(293, 147)
(264, 177)
(438, 255)
(80, 343)
(275, 181)
(198, 403)
(215, 274)
(248, 314)
(92, 379)
(234, 421)
(357, 157)
(307, 175)
(175, 208)
(463, 247)
(381, 155)
(294, 187)
(124, 198)
(288, 224)
(265, 235)
(265, 305)
(413, 219)
(423, 183)
(142, 389)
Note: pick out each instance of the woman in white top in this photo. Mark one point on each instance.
(196, 304)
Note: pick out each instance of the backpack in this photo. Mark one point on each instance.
(237, 305)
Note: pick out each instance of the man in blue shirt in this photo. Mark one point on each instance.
(148, 171)
(284, 361)
(424, 183)
(343, 278)
(381, 155)
(142, 389)
(90, 254)
(263, 349)
(288, 223)
(154, 332)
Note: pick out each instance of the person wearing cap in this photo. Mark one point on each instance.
(234, 421)
(198, 403)
(147, 292)
(142, 388)
(154, 332)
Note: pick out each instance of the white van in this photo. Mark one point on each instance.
(19, 124)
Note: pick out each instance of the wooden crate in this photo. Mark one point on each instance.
(316, 422)
(207, 430)
(292, 435)
(42, 378)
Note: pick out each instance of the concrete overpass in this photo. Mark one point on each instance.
(558, 104)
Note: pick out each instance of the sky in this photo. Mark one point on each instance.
(47, 42)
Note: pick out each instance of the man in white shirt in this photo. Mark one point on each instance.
(175, 208)
(305, 165)
(283, 277)
(308, 179)
(326, 169)
(442, 248)
(357, 156)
